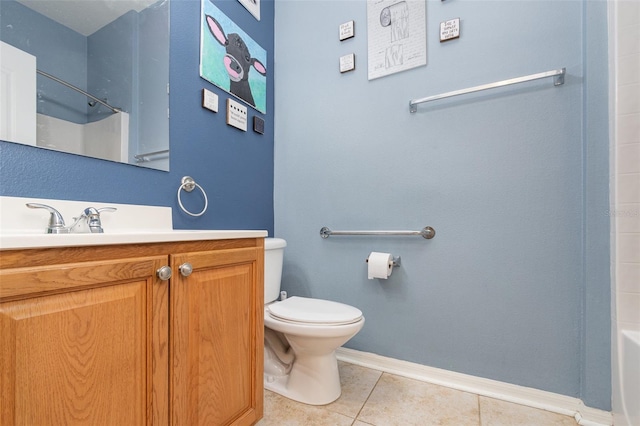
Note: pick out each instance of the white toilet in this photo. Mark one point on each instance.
(300, 337)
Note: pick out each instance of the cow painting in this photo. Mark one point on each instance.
(237, 61)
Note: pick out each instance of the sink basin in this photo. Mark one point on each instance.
(21, 227)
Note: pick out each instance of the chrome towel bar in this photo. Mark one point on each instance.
(427, 232)
(557, 74)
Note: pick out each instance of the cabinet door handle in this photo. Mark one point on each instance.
(186, 269)
(164, 273)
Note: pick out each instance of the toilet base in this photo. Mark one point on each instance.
(313, 380)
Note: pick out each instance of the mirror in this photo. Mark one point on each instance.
(89, 77)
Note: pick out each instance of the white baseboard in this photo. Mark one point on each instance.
(535, 398)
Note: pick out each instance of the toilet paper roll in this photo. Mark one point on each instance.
(380, 265)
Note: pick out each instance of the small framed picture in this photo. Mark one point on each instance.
(449, 30)
(253, 6)
(347, 63)
(347, 30)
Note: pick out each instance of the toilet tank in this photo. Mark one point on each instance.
(273, 258)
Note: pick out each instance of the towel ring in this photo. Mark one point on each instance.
(188, 184)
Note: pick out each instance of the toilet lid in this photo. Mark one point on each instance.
(314, 311)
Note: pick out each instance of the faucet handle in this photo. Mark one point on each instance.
(93, 217)
(56, 222)
(93, 212)
(107, 209)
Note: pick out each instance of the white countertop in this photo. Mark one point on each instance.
(23, 228)
(25, 241)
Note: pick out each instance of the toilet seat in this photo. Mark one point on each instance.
(304, 310)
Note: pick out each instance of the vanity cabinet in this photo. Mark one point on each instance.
(92, 336)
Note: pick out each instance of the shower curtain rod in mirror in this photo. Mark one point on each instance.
(77, 89)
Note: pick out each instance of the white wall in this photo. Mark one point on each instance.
(625, 179)
(17, 95)
(107, 139)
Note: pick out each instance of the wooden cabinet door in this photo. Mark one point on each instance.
(217, 338)
(84, 344)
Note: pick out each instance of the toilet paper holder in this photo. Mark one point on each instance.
(395, 262)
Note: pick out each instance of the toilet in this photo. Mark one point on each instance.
(301, 336)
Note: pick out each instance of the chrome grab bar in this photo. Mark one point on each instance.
(427, 232)
(557, 74)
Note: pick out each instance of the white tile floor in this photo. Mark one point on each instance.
(371, 397)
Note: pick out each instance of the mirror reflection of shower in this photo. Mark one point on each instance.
(88, 61)
(105, 138)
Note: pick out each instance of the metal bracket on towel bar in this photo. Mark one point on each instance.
(558, 80)
(396, 261)
(427, 232)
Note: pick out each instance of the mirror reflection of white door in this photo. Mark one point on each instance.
(17, 95)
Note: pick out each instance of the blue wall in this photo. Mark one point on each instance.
(514, 287)
(234, 167)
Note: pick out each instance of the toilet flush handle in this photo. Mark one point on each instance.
(186, 269)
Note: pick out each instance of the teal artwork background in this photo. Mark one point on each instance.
(212, 54)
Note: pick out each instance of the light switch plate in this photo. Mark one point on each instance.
(209, 100)
(236, 115)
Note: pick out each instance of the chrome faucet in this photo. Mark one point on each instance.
(93, 218)
(56, 221)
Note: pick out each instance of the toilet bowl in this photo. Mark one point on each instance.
(301, 336)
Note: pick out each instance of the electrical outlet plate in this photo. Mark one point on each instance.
(236, 115)
(209, 100)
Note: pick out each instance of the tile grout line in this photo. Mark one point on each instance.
(368, 396)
